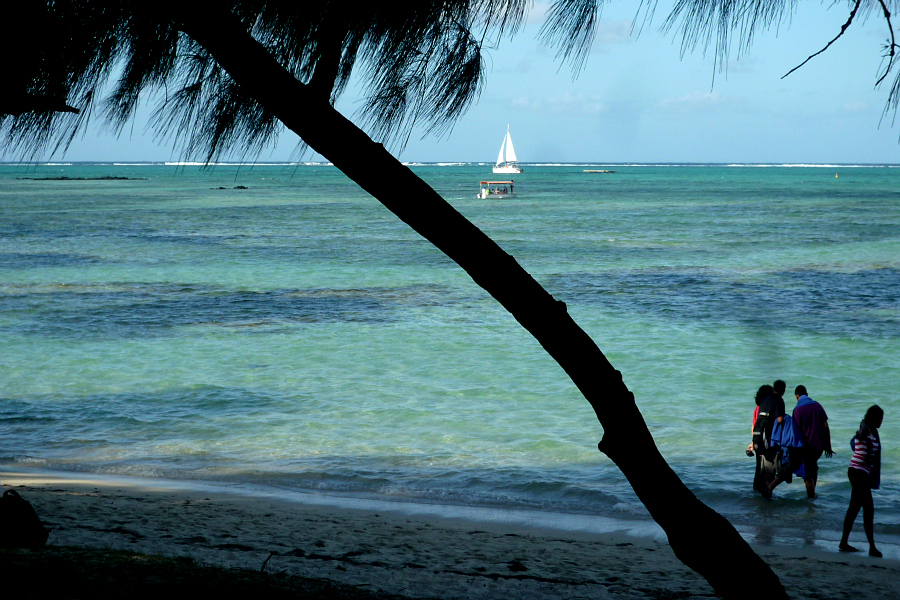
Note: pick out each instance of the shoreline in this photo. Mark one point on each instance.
(532, 521)
(383, 548)
(777, 535)
(535, 521)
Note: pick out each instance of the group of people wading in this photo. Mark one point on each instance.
(788, 445)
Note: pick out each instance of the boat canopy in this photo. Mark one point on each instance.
(497, 182)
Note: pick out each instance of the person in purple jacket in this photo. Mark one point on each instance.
(810, 417)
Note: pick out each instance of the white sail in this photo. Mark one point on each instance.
(510, 153)
(506, 162)
(500, 158)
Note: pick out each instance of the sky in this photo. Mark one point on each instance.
(637, 99)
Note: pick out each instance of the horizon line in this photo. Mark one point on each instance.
(449, 163)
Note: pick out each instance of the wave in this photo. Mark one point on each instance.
(812, 165)
(189, 163)
(456, 164)
(436, 164)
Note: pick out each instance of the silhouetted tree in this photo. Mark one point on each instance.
(229, 75)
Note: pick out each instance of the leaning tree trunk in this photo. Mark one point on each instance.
(701, 538)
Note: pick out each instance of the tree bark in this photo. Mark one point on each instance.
(17, 103)
(329, 64)
(701, 538)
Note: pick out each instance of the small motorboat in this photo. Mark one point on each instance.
(496, 189)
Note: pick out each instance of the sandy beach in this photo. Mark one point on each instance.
(397, 552)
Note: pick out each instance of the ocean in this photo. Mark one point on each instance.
(274, 328)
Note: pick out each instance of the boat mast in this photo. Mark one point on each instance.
(510, 153)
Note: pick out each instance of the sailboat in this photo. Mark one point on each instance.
(507, 162)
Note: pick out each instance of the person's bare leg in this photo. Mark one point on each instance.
(868, 520)
(848, 525)
(856, 503)
(810, 488)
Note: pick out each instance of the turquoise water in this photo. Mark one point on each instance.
(295, 334)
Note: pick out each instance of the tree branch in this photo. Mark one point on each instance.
(719, 553)
(328, 66)
(891, 54)
(17, 104)
(843, 29)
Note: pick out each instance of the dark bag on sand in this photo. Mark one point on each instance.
(20, 526)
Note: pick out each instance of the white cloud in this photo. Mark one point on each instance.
(564, 102)
(523, 66)
(526, 103)
(742, 64)
(520, 68)
(697, 100)
(538, 13)
(607, 31)
(612, 32)
(580, 102)
(856, 107)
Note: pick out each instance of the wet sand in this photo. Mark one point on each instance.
(400, 552)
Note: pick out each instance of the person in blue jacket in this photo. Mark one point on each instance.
(787, 437)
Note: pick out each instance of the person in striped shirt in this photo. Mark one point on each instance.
(864, 474)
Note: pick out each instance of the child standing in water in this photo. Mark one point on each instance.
(865, 476)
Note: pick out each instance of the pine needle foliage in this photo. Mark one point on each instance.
(718, 24)
(419, 62)
(570, 26)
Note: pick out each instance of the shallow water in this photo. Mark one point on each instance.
(296, 335)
